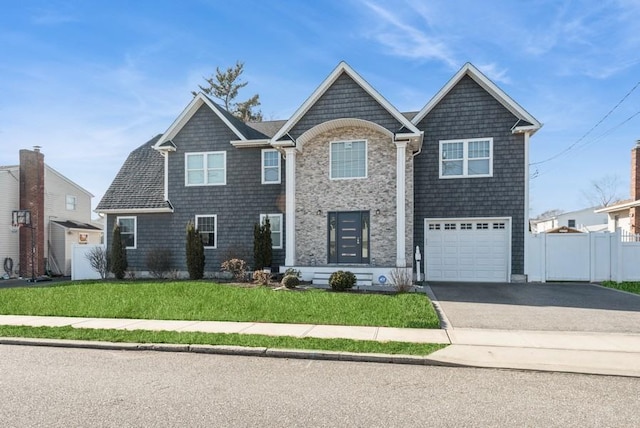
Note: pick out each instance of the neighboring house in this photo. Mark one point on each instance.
(348, 182)
(56, 204)
(624, 214)
(584, 220)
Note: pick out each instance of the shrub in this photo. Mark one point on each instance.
(194, 252)
(262, 277)
(118, 254)
(294, 272)
(342, 280)
(402, 280)
(237, 268)
(290, 281)
(262, 251)
(159, 262)
(98, 260)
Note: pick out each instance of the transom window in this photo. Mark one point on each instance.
(434, 226)
(275, 222)
(466, 226)
(466, 158)
(498, 225)
(205, 169)
(482, 226)
(270, 166)
(348, 159)
(71, 202)
(128, 226)
(207, 227)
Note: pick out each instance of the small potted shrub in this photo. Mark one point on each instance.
(342, 280)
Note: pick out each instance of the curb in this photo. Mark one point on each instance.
(231, 350)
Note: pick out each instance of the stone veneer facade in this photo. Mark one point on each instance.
(316, 191)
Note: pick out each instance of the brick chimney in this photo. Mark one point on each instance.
(634, 213)
(32, 199)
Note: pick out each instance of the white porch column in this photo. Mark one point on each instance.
(401, 153)
(290, 219)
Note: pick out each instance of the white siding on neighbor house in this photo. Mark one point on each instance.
(10, 201)
(583, 218)
(56, 189)
(622, 222)
(56, 256)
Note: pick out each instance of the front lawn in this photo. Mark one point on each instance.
(208, 301)
(249, 340)
(631, 287)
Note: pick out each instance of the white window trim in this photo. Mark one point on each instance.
(465, 158)
(215, 228)
(75, 202)
(135, 230)
(262, 217)
(263, 169)
(366, 159)
(204, 155)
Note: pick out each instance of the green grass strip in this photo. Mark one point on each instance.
(631, 287)
(193, 338)
(209, 301)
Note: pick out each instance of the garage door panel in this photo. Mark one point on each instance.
(467, 250)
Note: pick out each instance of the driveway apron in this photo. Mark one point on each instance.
(535, 306)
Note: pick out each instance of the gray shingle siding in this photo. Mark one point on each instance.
(238, 204)
(345, 99)
(468, 111)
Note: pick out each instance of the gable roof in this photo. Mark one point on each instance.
(239, 128)
(139, 185)
(620, 206)
(343, 67)
(527, 121)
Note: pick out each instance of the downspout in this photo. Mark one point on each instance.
(526, 205)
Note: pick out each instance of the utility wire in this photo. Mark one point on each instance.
(537, 172)
(571, 146)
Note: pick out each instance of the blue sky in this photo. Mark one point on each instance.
(91, 81)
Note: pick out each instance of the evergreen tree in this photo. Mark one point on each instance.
(262, 252)
(119, 263)
(225, 86)
(194, 252)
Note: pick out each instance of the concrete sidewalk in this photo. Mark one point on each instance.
(576, 352)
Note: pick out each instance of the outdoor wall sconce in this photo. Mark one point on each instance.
(378, 212)
(319, 212)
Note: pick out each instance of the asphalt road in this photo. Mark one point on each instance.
(532, 306)
(41, 386)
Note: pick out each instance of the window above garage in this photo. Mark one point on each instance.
(466, 158)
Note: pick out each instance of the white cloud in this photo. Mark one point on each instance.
(492, 70)
(407, 40)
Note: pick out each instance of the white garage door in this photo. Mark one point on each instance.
(467, 250)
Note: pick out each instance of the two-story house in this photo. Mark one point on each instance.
(60, 213)
(348, 182)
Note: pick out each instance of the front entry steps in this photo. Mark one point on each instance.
(363, 279)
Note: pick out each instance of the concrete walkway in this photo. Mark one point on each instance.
(576, 352)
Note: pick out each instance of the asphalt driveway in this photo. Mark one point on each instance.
(534, 306)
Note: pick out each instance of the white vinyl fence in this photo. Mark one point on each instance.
(590, 257)
(80, 266)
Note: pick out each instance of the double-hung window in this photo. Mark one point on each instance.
(466, 158)
(348, 159)
(207, 226)
(128, 226)
(71, 202)
(205, 169)
(275, 222)
(270, 166)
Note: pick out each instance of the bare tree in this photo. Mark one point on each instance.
(549, 214)
(603, 191)
(98, 260)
